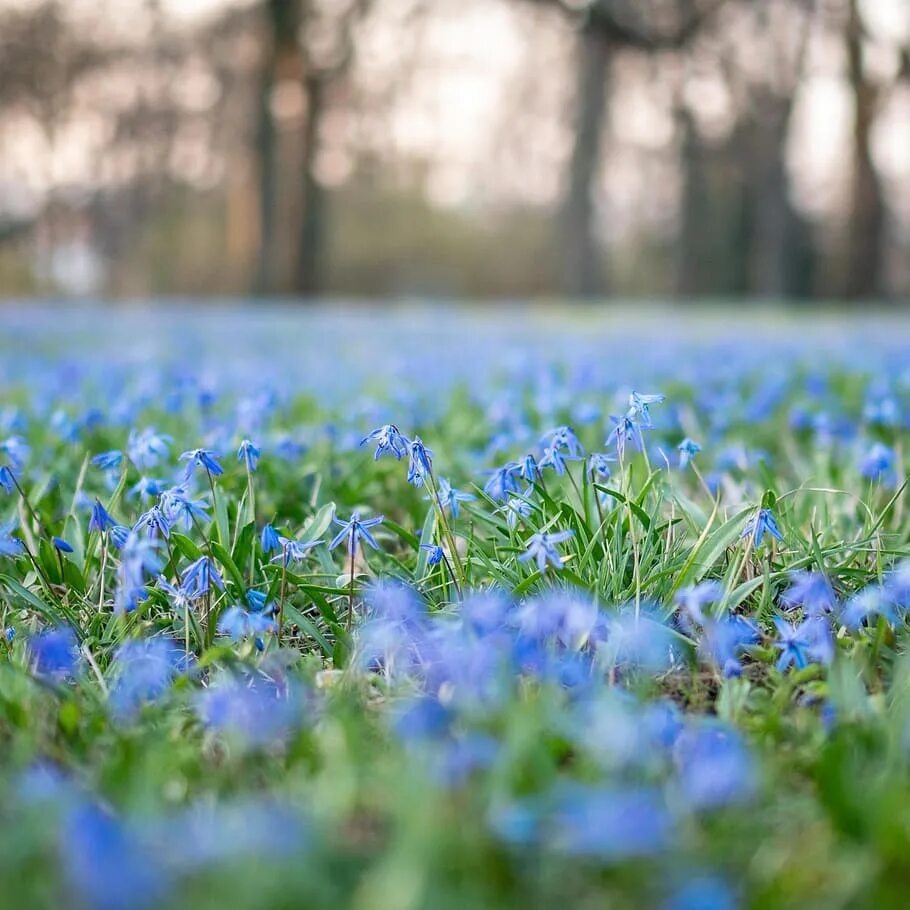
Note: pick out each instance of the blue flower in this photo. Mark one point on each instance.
(354, 530)
(109, 461)
(639, 407)
(55, 652)
(7, 481)
(879, 464)
(530, 470)
(295, 550)
(714, 766)
(624, 431)
(687, 449)
(61, 545)
(420, 462)
(9, 545)
(599, 465)
(563, 438)
(201, 458)
(810, 590)
(387, 439)
(694, 599)
(270, 542)
(554, 458)
(249, 454)
(436, 553)
(759, 524)
(200, 575)
(100, 519)
(143, 671)
(155, 522)
(147, 448)
(809, 642)
(178, 507)
(541, 547)
(503, 481)
(449, 497)
(238, 624)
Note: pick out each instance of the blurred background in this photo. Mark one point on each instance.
(455, 148)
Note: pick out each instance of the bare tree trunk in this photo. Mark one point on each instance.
(311, 253)
(867, 206)
(582, 254)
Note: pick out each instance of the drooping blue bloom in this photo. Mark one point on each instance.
(55, 653)
(259, 601)
(515, 509)
(420, 462)
(147, 448)
(7, 481)
(178, 508)
(436, 553)
(554, 458)
(714, 766)
(387, 439)
(109, 461)
(624, 431)
(599, 465)
(107, 864)
(810, 590)
(269, 542)
(354, 530)
(61, 545)
(239, 624)
(530, 469)
(759, 524)
(687, 449)
(9, 545)
(295, 550)
(201, 458)
(541, 547)
(503, 481)
(155, 523)
(879, 464)
(199, 576)
(119, 535)
(17, 451)
(450, 498)
(809, 642)
(143, 671)
(693, 599)
(723, 641)
(563, 438)
(871, 601)
(639, 407)
(100, 519)
(249, 455)
(148, 488)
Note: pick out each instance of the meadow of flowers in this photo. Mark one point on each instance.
(426, 610)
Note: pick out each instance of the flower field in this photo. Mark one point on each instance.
(426, 609)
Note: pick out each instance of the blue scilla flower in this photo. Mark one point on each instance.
(155, 523)
(623, 432)
(200, 575)
(7, 480)
(269, 541)
(420, 462)
(61, 545)
(259, 601)
(109, 461)
(239, 624)
(530, 469)
(687, 449)
(354, 530)
(556, 459)
(879, 464)
(759, 524)
(695, 598)
(55, 653)
(249, 455)
(178, 508)
(703, 892)
(436, 553)
(449, 497)
(714, 766)
(9, 545)
(389, 440)
(563, 438)
(119, 534)
(809, 642)
(100, 520)
(639, 407)
(201, 458)
(515, 509)
(599, 465)
(810, 590)
(147, 448)
(541, 547)
(867, 603)
(723, 641)
(148, 488)
(17, 451)
(144, 670)
(503, 481)
(295, 550)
